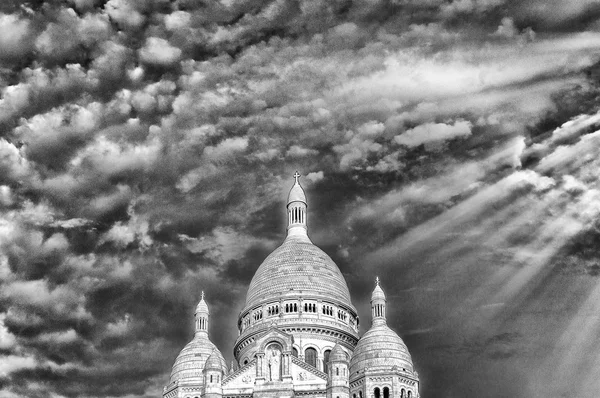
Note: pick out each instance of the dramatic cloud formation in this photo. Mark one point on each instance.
(450, 147)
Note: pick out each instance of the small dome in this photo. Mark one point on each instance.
(378, 293)
(213, 362)
(380, 347)
(191, 360)
(297, 194)
(338, 354)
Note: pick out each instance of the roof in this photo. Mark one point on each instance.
(192, 358)
(214, 361)
(296, 194)
(338, 354)
(202, 307)
(297, 268)
(378, 293)
(380, 347)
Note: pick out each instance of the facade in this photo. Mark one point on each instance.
(298, 334)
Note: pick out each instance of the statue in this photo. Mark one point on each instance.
(274, 362)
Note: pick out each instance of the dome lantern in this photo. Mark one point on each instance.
(296, 210)
(378, 301)
(201, 316)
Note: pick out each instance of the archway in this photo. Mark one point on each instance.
(310, 357)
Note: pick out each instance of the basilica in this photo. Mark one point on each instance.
(298, 334)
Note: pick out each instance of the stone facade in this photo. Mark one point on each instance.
(298, 334)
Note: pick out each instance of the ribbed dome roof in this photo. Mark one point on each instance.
(380, 347)
(297, 266)
(191, 360)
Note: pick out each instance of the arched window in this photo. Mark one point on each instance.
(353, 395)
(211, 378)
(295, 352)
(337, 371)
(409, 394)
(386, 392)
(402, 392)
(326, 360)
(360, 394)
(310, 357)
(245, 361)
(377, 392)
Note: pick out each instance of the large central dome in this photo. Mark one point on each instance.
(297, 267)
(299, 289)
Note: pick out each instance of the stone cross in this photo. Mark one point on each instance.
(296, 176)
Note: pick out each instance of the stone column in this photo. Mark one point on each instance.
(260, 364)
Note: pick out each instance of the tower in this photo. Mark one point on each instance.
(337, 382)
(213, 375)
(381, 366)
(187, 375)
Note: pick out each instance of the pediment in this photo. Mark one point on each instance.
(244, 376)
(273, 334)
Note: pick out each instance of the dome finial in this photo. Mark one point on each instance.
(296, 176)
(376, 281)
(202, 295)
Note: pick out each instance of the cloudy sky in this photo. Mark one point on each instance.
(449, 146)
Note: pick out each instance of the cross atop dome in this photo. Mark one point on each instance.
(377, 281)
(296, 176)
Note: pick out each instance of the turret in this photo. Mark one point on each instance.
(378, 301)
(213, 375)
(337, 380)
(201, 315)
(296, 210)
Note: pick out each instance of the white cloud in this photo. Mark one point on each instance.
(297, 151)
(434, 132)
(12, 363)
(15, 38)
(159, 51)
(125, 13)
(227, 149)
(315, 176)
(7, 339)
(177, 20)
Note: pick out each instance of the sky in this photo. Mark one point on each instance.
(450, 147)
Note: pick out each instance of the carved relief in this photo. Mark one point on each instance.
(247, 379)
